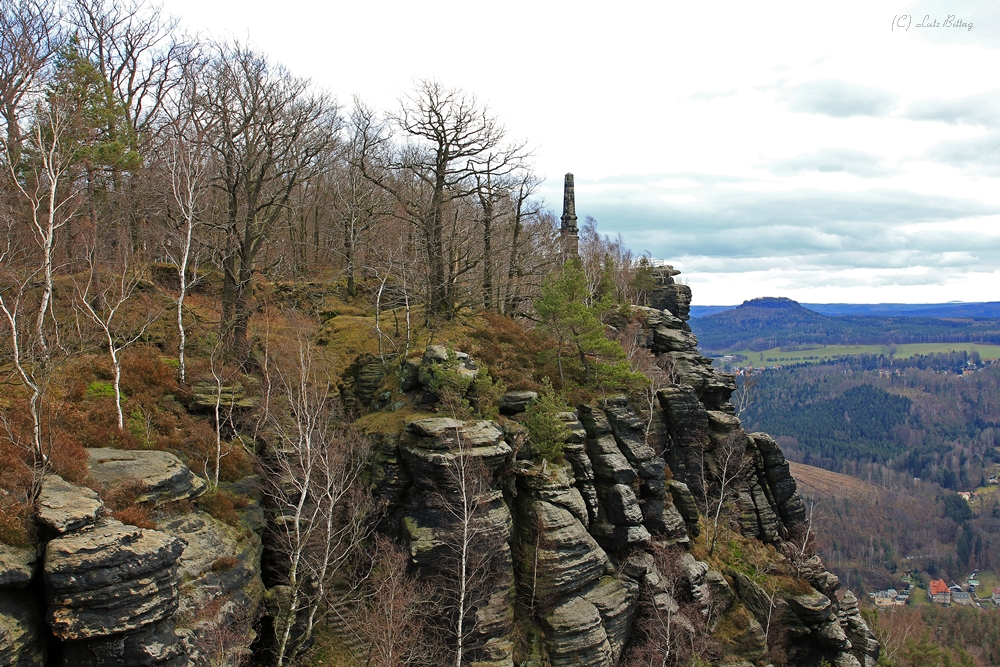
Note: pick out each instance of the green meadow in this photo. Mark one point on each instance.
(825, 352)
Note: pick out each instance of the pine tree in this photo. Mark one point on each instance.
(565, 313)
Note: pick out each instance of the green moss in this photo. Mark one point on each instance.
(99, 389)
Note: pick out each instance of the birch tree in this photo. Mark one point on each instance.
(13, 289)
(731, 462)
(119, 329)
(323, 510)
(186, 153)
(476, 553)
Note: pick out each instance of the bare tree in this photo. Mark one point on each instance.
(119, 329)
(323, 511)
(137, 50)
(731, 461)
(390, 618)
(525, 209)
(497, 176)
(272, 133)
(449, 135)
(29, 36)
(360, 203)
(746, 392)
(186, 156)
(670, 628)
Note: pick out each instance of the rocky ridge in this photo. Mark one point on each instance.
(577, 539)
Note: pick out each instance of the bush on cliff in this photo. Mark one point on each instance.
(547, 430)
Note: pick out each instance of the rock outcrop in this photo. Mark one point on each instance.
(64, 507)
(577, 538)
(163, 476)
(21, 630)
(111, 594)
(108, 582)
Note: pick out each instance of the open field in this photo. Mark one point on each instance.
(987, 582)
(825, 352)
(817, 482)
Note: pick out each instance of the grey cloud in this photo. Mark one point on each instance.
(982, 109)
(835, 230)
(843, 160)
(840, 99)
(977, 154)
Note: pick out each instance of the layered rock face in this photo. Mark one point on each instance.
(114, 595)
(577, 539)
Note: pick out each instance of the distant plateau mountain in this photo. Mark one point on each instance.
(769, 322)
(981, 309)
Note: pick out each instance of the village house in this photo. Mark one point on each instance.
(939, 592)
(961, 597)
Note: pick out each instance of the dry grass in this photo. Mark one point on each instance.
(223, 505)
(121, 500)
(817, 482)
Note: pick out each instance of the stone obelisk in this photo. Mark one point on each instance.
(569, 232)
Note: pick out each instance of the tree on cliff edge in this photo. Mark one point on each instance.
(564, 311)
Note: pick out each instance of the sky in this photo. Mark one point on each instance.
(829, 152)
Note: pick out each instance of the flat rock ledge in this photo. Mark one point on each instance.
(65, 507)
(166, 477)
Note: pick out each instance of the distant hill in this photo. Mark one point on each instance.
(987, 309)
(769, 322)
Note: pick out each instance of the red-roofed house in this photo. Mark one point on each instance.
(939, 592)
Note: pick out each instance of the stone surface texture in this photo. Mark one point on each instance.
(64, 507)
(165, 477)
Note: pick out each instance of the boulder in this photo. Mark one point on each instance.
(695, 572)
(17, 565)
(110, 579)
(626, 537)
(568, 557)
(594, 420)
(616, 602)
(813, 609)
(753, 597)
(515, 402)
(718, 588)
(439, 355)
(864, 645)
(555, 485)
(666, 339)
(685, 504)
(662, 519)
(64, 507)
(577, 431)
(219, 563)
(610, 465)
(576, 454)
(166, 478)
(231, 396)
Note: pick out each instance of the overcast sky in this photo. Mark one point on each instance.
(828, 152)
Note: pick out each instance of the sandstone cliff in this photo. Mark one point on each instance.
(579, 545)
